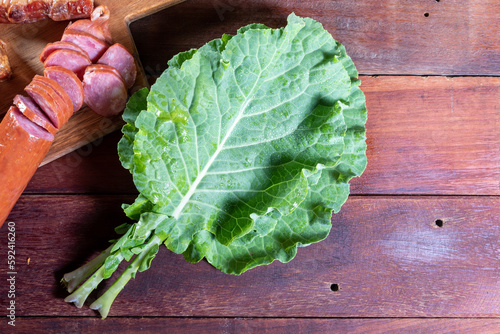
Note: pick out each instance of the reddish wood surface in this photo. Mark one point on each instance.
(277, 326)
(431, 135)
(434, 155)
(386, 254)
(457, 38)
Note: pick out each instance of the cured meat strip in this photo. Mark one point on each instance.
(5, 70)
(94, 47)
(105, 91)
(69, 59)
(4, 11)
(59, 45)
(49, 102)
(69, 82)
(97, 25)
(30, 109)
(26, 11)
(23, 145)
(118, 57)
(62, 10)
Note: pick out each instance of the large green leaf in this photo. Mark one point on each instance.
(241, 152)
(246, 145)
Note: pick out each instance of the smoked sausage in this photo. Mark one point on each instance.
(69, 82)
(30, 109)
(105, 90)
(74, 61)
(120, 58)
(23, 145)
(51, 47)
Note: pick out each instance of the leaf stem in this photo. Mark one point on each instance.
(81, 294)
(103, 303)
(74, 278)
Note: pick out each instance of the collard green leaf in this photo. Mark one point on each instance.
(135, 105)
(241, 152)
(246, 145)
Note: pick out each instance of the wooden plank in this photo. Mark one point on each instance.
(93, 168)
(26, 41)
(432, 135)
(386, 254)
(382, 37)
(277, 326)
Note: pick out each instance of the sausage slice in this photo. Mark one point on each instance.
(94, 47)
(97, 25)
(69, 59)
(30, 109)
(105, 91)
(120, 58)
(69, 82)
(51, 47)
(49, 101)
(58, 94)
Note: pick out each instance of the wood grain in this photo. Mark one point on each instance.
(399, 264)
(432, 135)
(382, 37)
(276, 326)
(386, 254)
(26, 41)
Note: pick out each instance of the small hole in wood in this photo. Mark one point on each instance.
(426, 14)
(439, 223)
(334, 287)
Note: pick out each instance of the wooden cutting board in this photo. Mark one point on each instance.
(26, 41)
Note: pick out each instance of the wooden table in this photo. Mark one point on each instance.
(415, 248)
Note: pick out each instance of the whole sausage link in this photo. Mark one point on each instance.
(23, 145)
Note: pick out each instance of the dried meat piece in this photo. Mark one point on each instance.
(5, 70)
(27, 11)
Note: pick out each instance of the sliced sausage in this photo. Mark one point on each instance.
(105, 91)
(23, 146)
(51, 47)
(118, 57)
(69, 59)
(49, 102)
(58, 93)
(69, 82)
(97, 26)
(94, 47)
(104, 67)
(30, 109)
(5, 70)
